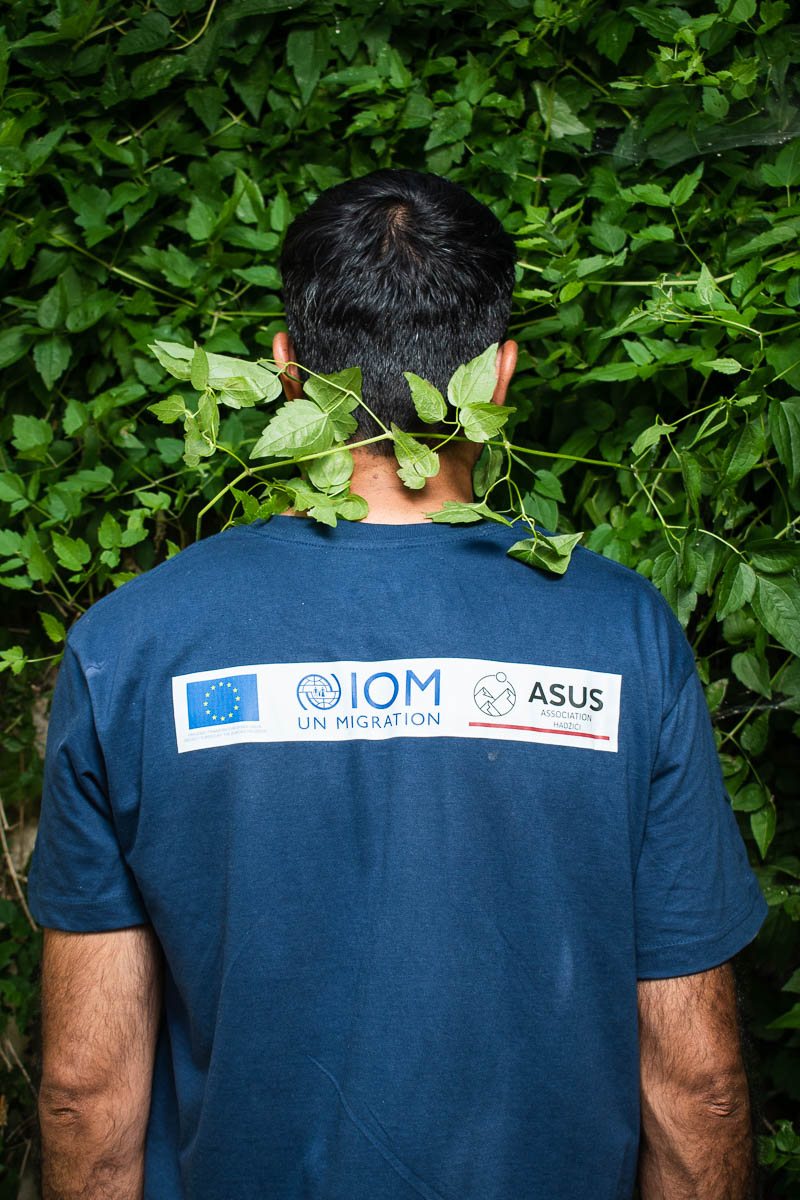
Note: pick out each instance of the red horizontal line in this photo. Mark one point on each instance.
(598, 737)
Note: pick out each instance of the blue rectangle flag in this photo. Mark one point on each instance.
(224, 701)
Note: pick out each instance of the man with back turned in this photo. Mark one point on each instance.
(375, 865)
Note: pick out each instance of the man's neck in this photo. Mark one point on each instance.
(392, 503)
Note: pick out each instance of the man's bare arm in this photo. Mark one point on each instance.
(101, 1000)
(697, 1141)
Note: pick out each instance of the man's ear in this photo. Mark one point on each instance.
(283, 352)
(504, 366)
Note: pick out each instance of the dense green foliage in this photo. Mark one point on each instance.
(647, 158)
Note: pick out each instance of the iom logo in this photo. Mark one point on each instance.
(494, 695)
(320, 691)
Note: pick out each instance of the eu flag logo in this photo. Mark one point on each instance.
(213, 702)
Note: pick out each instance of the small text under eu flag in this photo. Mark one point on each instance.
(224, 701)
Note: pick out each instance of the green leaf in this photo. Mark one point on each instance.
(155, 74)
(743, 452)
(606, 236)
(692, 479)
(647, 193)
(200, 221)
(176, 267)
(786, 171)
(726, 366)
(196, 446)
(332, 472)
(39, 566)
(649, 437)
(487, 469)
(613, 35)
(263, 276)
(280, 211)
(428, 400)
(787, 1020)
(208, 416)
(548, 484)
(171, 409)
(706, 288)
(72, 553)
(749, 798)
(109, 535)
(76, 417)
(338, 395)
(90, 205)
(250, 208)
(751, 670)
(637, 352)
(307, 52)
(784, 423)
(772, 556)
(610, 373)
(298, 427)
(451, 124)
(10, 542)
(12, 488)
(474, 382)
(556, 113)
(551, 554)
(32, 436)
(331, 391)
(776, 603)
(52, 308)
(793, 983)
(151, 33)
(715, 103)
(51, 357)
(241, 383)
(14, 657)
(92, 310)
(174, 358)
(685, 187)
(352, 508)
(738, 11)
(14, 344)
(317, 504)
(456, 512)
(736, 587)
(481, 422)
(542, 510)
(763, 825)
(570, 290)
(417, 462)
(755, 734)
(198, 369)
(53, 627)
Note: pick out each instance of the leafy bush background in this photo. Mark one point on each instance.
(647, 158)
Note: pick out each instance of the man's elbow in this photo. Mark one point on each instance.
(105, 1107)
(725, 1095)
(720, 1095)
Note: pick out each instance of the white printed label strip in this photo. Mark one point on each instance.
(414, 697)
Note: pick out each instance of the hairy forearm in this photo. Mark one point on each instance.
(698, 1147)
(90, 1150)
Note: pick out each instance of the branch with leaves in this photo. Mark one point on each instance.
(314, 432)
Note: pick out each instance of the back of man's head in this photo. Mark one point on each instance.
(396, 271)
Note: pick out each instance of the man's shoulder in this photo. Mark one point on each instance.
(164, 592)
(599, 579)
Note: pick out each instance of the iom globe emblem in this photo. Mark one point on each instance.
(319, 691)
(494, 695)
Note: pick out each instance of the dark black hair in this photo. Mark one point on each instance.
(396, 271)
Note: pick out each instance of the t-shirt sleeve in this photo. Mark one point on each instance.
(697, 900)
(79, 879)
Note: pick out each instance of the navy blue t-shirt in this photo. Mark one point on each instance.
(409, 820)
